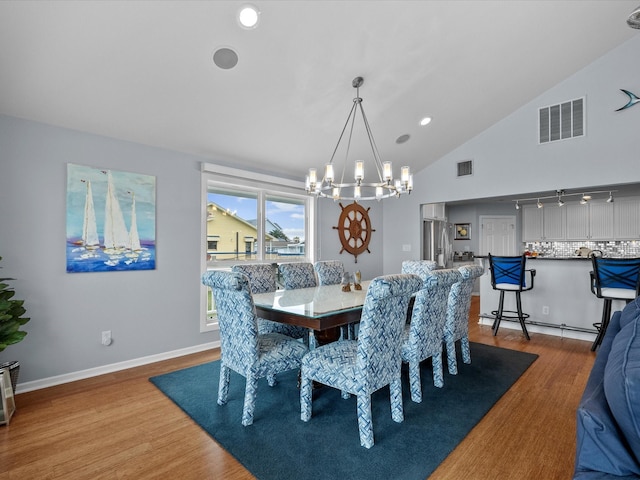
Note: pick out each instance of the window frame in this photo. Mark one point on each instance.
(264, 186)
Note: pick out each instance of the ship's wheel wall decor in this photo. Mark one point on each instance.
(354, 229)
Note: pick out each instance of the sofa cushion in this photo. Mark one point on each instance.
(622, 377)
(600, 446)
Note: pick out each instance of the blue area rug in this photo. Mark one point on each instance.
(280, 446)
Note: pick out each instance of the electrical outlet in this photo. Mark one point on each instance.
(106, 338)
(545, 310)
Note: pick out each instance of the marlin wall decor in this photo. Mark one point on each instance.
(633, 99)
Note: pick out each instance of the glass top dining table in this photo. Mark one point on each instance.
(319, 308)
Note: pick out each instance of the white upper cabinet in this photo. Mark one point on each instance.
(531, 223)
(543, 224)
(553, 223)
(601, 221)
(626, 219)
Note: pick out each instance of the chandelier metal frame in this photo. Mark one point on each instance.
(386, 186)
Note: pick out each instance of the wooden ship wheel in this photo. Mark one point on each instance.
(354, 229)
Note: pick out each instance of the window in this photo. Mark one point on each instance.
(252, 217)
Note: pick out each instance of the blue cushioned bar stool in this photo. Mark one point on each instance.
(613, 279)
(508, 274)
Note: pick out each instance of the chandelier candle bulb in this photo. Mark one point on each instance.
(379, 192)
(336, 193)
(387, 173)
(356, 192)
(404, 175)
(328, 173)
(359, 170)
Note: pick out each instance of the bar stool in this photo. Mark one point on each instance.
(508, 274)
(613, 279)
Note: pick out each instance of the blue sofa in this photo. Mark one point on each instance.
(608, 417)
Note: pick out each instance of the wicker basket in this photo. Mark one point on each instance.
(14, 370)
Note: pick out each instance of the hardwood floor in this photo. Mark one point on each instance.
(120, 426)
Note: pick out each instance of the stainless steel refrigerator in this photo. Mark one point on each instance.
(437, 237)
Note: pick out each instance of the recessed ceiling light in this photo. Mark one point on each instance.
(248, 16)
(425, 121)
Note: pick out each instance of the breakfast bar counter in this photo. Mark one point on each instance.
(561, 302)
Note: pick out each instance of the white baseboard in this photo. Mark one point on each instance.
(114, 367)
(555, 331)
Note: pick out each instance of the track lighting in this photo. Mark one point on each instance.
(560, 195)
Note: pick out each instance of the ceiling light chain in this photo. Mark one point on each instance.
(386, 186)
(559, 194)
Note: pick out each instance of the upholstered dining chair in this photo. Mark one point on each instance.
(298, 275)
(422, 337)
(457, 324)
(262, 279)
(422, 268)
(242, 349)
(360, 367)
(330, 272)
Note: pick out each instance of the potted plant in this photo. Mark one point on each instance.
(11, 319)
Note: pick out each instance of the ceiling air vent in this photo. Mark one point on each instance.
(561, 122)
(465, 168)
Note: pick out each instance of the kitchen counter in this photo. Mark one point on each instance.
(540, 257)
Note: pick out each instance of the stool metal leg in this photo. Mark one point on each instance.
(521, 316)
(496, 322)
(606, 314)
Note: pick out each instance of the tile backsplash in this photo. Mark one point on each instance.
(630, 248)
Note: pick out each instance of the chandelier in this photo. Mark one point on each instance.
(386, 185)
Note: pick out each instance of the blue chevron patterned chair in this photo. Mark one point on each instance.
(423, 335)
(298, 275)
(242, 349)
(457, 324)
(360, 367)
(422, 268)
(330, 273)
(262, 279)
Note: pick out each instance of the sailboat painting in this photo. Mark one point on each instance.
(111, 220)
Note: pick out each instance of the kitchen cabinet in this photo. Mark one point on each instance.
(592, 221)
(543, 224)
(626, 219)
(531, 223)
(553, 223)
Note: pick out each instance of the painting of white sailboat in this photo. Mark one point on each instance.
(110, 220)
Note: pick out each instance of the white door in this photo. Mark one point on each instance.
(498, 235)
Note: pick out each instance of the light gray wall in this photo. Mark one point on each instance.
(509, 161)
(148, 312)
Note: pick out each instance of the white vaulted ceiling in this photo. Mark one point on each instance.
(142, 71)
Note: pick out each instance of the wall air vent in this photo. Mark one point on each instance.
(561, 122)
(465, 168)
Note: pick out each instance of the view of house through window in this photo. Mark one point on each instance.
(235, 231)
(252, 225)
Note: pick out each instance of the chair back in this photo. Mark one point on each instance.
(616, 273)
(422, 268)
(298, 275)
(262, 277)
(329, 271)
(507, 272)
(381, 325)
(236, 317)
(459, 302)
(430, 311)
